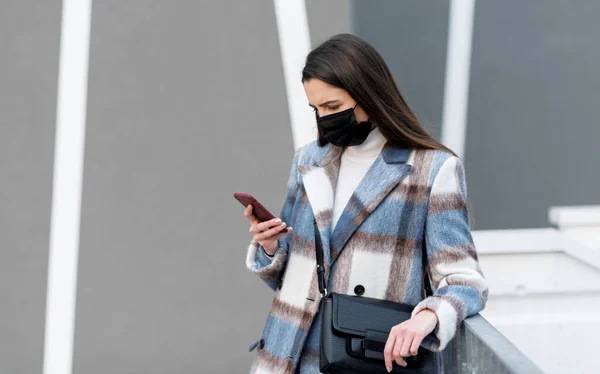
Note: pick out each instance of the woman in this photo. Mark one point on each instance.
(382, 191)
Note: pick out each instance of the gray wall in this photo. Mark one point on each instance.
(412, 36)
(29, 41)
(186, 106)
(327, 18)
(533, 127)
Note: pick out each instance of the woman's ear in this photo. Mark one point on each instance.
(360, 114)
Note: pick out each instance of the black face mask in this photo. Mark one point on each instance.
(342, 130)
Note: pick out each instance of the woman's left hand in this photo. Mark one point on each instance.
(404, 339)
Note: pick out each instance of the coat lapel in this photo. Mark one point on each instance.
(319, 176)
(385, 173)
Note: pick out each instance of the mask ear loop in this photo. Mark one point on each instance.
(354, 109)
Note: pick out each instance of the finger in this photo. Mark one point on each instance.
(281, 235)
(387, 351)
(263, 226)
(396, 352)
(269, 233)
(400, 361)
(248, 214)
(406, 344)
(416, 343)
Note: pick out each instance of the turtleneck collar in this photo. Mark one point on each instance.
(370, 148)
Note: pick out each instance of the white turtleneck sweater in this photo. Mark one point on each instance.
(355, 163)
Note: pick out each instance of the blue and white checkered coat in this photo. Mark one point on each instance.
(410, 200)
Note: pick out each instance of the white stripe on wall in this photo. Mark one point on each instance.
(458, 66)
(66, 194)
(294, 42)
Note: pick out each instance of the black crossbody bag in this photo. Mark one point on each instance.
(355, 329)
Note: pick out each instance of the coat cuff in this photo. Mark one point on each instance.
(262, 258)
(449, 315)
(259, 263)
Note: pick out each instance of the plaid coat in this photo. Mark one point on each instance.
(410, 200)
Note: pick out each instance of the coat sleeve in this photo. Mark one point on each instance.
(270, 269)
(453, 267)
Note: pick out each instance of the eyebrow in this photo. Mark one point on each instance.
(325, 103)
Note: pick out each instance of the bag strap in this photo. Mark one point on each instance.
(321, 267)
(426, 283)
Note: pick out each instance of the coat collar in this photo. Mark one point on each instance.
(323, 156)
(319, 170)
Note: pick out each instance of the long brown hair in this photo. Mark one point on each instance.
(351, 63)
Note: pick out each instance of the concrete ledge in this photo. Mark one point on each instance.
(574, 216)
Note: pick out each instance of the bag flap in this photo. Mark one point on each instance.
(356, 314)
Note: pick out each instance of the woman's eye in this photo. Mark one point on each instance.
(334, 107)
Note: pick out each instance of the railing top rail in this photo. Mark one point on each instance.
(504, 352)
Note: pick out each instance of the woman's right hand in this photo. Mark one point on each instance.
(266, 233)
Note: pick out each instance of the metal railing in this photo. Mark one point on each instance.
(479, 348)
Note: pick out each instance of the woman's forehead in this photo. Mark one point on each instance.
(318, 91)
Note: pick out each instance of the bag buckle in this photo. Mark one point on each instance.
(321, 280)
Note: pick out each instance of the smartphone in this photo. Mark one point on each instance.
(258, 209)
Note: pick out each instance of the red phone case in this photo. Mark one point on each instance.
(258, 209)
